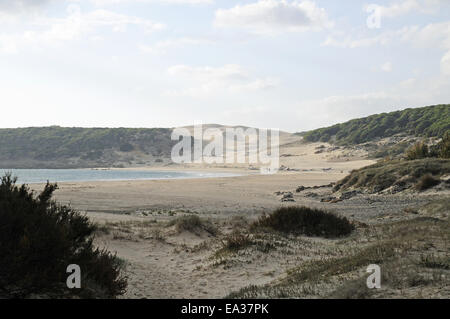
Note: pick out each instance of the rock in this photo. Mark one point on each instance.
(311, 194)
(300, 189)
(396, 189)
(288, 195)
(348, 195)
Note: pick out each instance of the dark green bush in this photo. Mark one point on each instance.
(39, 239)
(305, 221)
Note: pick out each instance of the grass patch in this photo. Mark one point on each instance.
(396, 247)
(435, 262)
(305, 221)
(236, 241)
(193, 224)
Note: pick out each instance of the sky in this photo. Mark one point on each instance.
(288, 64)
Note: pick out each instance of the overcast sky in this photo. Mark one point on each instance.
(293, 65)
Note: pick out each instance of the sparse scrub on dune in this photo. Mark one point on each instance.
(382, 175)
(435, 262)
(394, 247)
(444, 146)
(426, 182)
(236, 241)
(417, 151)
(305, 221)
(39, 239)
(194, 224)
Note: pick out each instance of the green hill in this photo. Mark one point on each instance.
(61, 147)
(425, 121)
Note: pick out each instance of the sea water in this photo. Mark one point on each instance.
(29, 176)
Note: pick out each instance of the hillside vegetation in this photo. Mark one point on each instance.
(425, 121)
(400, 174)
(61, 147)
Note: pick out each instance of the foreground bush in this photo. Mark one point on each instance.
(39, 239)
(306, 221)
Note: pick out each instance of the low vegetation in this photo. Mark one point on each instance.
(193, 224)
(421, 150)
(236, 241)
(426, 181)
(39, 239)
(417, 151)
(426, 121)
(401, 249)
(402, 173)
(305, 221)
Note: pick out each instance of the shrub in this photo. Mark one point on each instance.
(437, 262)
(193, 223)
(39, 239)
(417, 151)
(126, 147)
(427, 181)
(307, 221)
(444, 146)
(236, 241)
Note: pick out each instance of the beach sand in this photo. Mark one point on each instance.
(165, 262)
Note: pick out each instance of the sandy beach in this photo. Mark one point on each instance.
(137, 221)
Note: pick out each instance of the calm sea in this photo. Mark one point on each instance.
(29, 176)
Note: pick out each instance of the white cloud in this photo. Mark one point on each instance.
(162, 47)
(272, 16)
(399, 8)
(409, 93)
(16, 6)
(431, 34)
(112, 2)
(50, 31)
(403, 7)
(445, 64)
(204, 81)
(386, 67)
